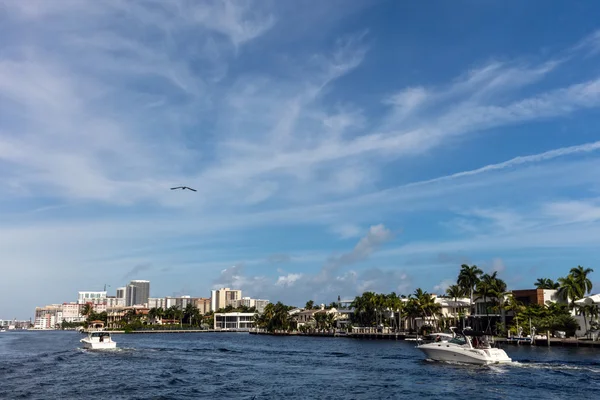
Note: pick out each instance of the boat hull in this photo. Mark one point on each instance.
(98, 345)
(444, 352)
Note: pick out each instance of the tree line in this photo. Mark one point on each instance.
(397, 311)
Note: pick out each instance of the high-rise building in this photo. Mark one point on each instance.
(121, 292)
(224, 297)
(203, 305)
(130, 293)
(137, 293)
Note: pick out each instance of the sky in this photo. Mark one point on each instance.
(336, 147)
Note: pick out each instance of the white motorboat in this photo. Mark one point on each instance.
(467, 347)
(98, 340)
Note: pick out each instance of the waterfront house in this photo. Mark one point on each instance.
(451, 310)
(305, 317)
(234, 321)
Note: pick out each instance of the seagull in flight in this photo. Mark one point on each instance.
(183, 188)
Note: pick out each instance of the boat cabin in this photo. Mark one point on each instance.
(96, 325)
(475, 339)
(100, 337)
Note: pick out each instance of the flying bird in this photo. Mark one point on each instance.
(183, 188)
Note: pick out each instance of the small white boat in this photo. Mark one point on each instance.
(98, 340)
(467, 347)
(2, 330)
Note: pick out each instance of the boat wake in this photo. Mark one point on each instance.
(116, 350)
(556, 366)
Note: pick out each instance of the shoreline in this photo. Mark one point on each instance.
(587, 343)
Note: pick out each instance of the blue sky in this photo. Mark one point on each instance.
(336, 147)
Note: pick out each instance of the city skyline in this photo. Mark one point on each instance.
(334, 147)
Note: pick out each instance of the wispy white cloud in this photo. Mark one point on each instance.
(574, 211)
(346, 231)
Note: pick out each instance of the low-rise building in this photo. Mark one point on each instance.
(234, 321)
(536, 296)
(71, 312)
(48, 317)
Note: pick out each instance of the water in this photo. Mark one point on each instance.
(50, 365)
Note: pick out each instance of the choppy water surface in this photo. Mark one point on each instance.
(46, 365)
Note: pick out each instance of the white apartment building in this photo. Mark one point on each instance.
(91, 297)
(181, 302)
(157, 302)
(248, 302)
(112, 301)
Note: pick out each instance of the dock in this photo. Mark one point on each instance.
(552, 342)
(139, 331)
(350, 335)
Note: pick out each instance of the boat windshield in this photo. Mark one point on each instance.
(460, 340)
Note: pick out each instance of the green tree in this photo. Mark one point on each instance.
(546, 283)
(365, 312)
(491, 288)
(275, 317)
(580, 275)
(87, 310)
(570, 290)
(468, 278)
(396, 306)
(455, 292)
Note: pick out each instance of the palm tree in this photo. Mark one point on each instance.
(365, 309)
(380, 307)
(468, 278)
(309, 305)
(426, 305)
(454, 292)
(130, 315)
(546, 283)
(570, 290)
(490, 286)
(411, 311)
(152, 314)
(330, 320)
(512, 304)
(580, 274)
(87, 310)
(395, 305)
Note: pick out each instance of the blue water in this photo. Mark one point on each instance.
(50, 365)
